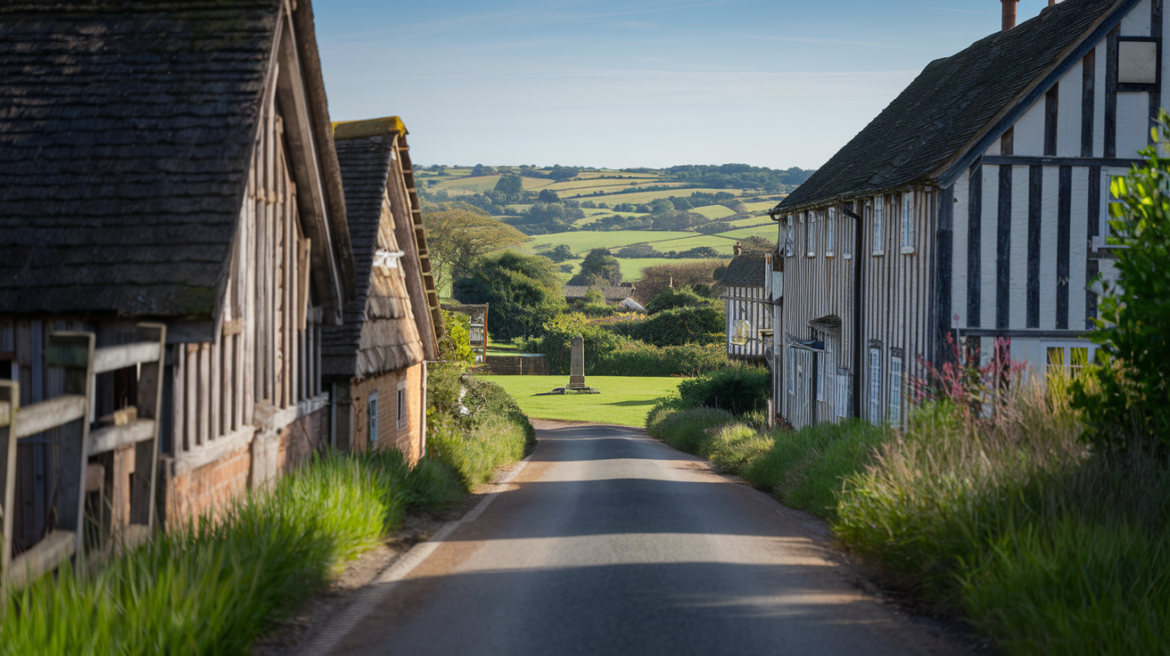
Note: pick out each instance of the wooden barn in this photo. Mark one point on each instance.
(167, 175)
(749, 310)
(974, 206)
(375, 362)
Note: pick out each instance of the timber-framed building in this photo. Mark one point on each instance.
(165, 167)
(375, 361)
(974, 207)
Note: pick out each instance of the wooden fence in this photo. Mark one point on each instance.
(130, 436)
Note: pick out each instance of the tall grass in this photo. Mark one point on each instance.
(1005, 515)
(214, 585)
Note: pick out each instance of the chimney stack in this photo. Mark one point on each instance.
(1009, 14)
(737, 249)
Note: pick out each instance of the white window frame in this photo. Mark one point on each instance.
(821, 375)
(875, 385)
(830, 237)
(403, 398)
(1100, 242)
(896, 387)
(846, 236)
(908, 235)
(789, 235)
(810, 234)
(1067, 346)
(372, 419)
(879, 232)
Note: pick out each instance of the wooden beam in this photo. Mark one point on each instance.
(40, 417)
(112, 358)
(46, 556)
(10, 399)
(109, 438)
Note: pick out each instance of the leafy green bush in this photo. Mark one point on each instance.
(1128, 399)
(685, 430)
(677, 297)
(455, 346)
(677, 326)
(473, 426)
(736, 389)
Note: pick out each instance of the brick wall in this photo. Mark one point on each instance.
(211, 487)
(409, 437)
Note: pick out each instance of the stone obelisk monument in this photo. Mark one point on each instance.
(577, 365)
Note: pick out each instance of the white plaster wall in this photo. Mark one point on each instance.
(1068, 134)
(1029, 131)
(1048, 242)
(1018, 306)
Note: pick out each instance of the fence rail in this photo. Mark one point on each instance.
(75, 354)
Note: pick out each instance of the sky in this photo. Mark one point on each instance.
(630, 83)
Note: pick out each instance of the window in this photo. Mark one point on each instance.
(372, 411)
(1069, 359)
(895, 391)
(830, 241)
(842, 393)
(875, 386)
(908, 222)
(1112, 185)
(847, 236)
(1137, 63)
(402, 405)
(810, 233)
(879, 233)
(788, 235)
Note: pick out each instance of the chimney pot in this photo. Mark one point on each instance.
(1009, 14)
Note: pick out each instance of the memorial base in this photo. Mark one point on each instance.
(572, 390)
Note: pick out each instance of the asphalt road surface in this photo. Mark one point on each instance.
(609, 542)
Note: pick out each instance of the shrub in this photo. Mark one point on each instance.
(556, 342)
(634, 358)
(524, 292)
(1128, 399)
(456, 344)
(677, 326)
(736, 389)
(677, 297)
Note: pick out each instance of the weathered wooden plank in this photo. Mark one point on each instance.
(73, 437)
(1088, 101)
(9, 406)
(191, 396)
(1035, 202)
(108, 438)
(974, 246)
(1063, 235)
(216, 401)
(179, 442)
(112, 358)
(1051, 119)
(42, 416)
(46, 556)
(204, 422)
(1003, 249)
(1111, 94)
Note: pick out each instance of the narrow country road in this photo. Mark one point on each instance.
(609, 542)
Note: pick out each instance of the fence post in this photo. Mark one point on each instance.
(150, 386)
(9, 406)
(72, 351)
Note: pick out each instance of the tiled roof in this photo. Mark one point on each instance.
(745, 271)
(950, 103)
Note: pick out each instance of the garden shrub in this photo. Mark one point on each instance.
(676, 297)
(1128, 398)
(737, 389)
(674, 327)
(633, 358)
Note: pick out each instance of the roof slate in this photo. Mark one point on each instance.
(125, 134)
(947, 106)
(747, 270)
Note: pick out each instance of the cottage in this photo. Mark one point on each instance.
(375, 362)
(973, 207)
(749, 310)
(167, 175)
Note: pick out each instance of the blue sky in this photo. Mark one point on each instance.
(628, 83)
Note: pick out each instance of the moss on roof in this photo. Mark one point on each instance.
(373, 127)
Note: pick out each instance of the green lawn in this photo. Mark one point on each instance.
(750, 221)
(479, 185)
(771, 231)
(624, 401)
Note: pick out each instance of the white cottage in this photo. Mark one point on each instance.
(974, 206)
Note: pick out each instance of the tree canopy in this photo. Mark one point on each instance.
(458, 233)
(524, 292)
(599, 268)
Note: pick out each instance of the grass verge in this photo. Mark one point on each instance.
(1007, 519)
